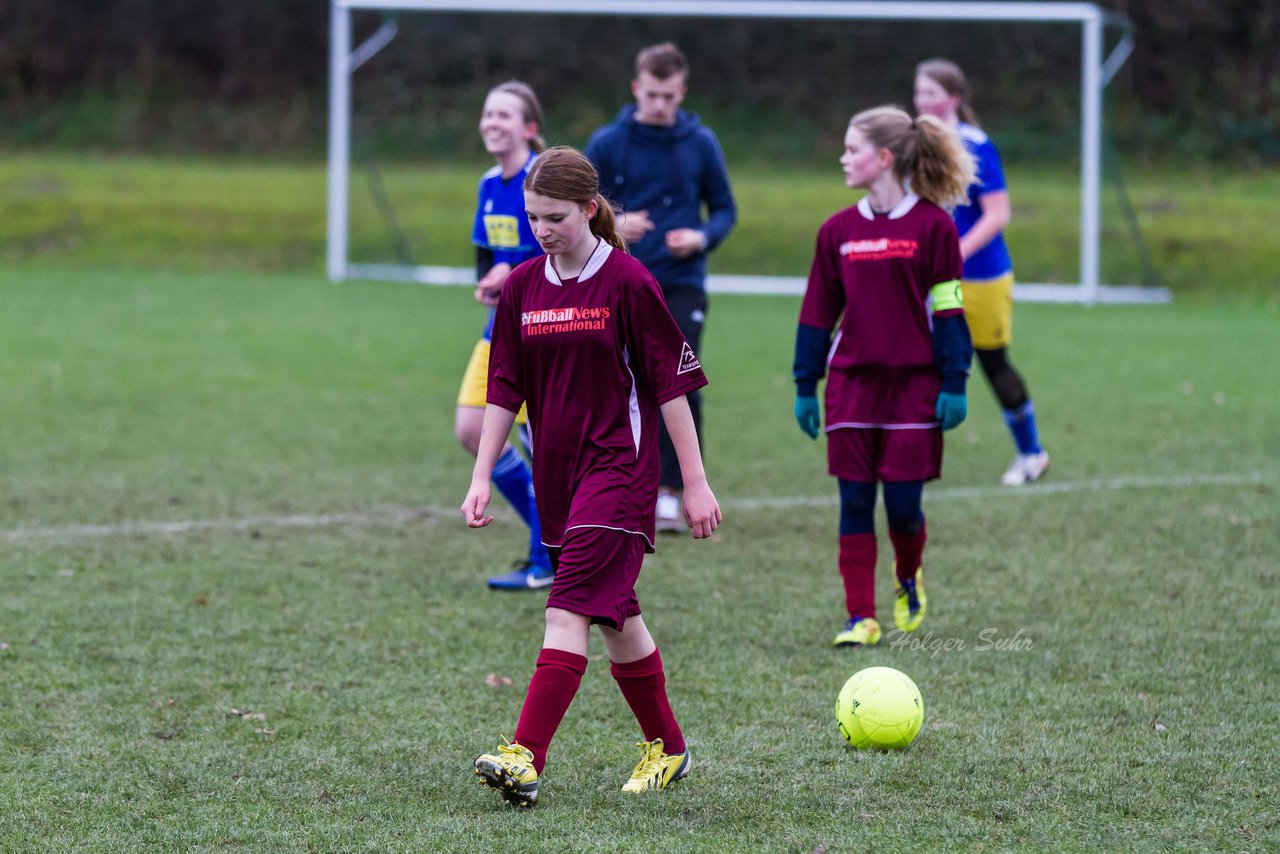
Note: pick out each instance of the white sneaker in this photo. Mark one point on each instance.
(668, 516)
(1026, 468)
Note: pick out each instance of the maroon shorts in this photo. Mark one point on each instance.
(596, 572)
(869, 454)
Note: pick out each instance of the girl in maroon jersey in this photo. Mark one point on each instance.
(584, 339)
(887, 273)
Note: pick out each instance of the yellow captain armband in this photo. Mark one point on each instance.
(946, 295)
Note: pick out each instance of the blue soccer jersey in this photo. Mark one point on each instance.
(501, 225)
(992, 260)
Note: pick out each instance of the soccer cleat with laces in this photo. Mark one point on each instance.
(510, 770)
(909, 602)
(1026, 468)
(859, 631)
(525, 575)
(657, 769)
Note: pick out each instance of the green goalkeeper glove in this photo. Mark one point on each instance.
(952, 409)
(807, 415)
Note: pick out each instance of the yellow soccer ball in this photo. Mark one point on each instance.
(880, 708)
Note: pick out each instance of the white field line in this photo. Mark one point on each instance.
(1111, 484)
(386, 516)
(401, 515)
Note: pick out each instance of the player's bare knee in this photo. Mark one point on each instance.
(467, 436)
(558, 618)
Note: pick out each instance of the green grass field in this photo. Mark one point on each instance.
(230, 485)
(1210, 234)
(237, 490)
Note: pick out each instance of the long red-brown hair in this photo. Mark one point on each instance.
(564, 173)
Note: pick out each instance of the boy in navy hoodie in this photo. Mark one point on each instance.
(661, 165)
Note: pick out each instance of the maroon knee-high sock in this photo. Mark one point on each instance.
(858, 569)
(907, 550)
(555, 681)
(644, 685)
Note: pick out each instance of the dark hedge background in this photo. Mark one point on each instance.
(249, 76)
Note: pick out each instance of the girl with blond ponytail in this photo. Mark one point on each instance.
(886, 272)
(583, 337)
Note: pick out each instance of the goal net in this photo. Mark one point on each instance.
(407, 218)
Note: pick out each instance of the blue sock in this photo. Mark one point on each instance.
(537, 551)
(514, 481)
(1022, 424)
(512, 477)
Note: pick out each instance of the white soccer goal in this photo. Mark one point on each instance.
(1095, 70)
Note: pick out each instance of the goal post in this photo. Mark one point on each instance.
(1096, 72)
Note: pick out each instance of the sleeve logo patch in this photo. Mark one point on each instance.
(688, 361)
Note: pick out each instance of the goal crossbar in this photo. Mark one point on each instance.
(1096, 72)
(793, 9)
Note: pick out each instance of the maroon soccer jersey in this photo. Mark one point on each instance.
(594, 358)
(872, 274)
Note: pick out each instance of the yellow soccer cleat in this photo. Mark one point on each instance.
(909, 602)
(510, 770)
(657, 769)
(859, 631)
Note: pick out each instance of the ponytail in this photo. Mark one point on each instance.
(927, 153)
(605, 224)
(944, 168)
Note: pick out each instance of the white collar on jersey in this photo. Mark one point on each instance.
(598, 256)
(900, 210)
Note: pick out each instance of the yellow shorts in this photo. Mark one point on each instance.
(475, 382)
(988, 306)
